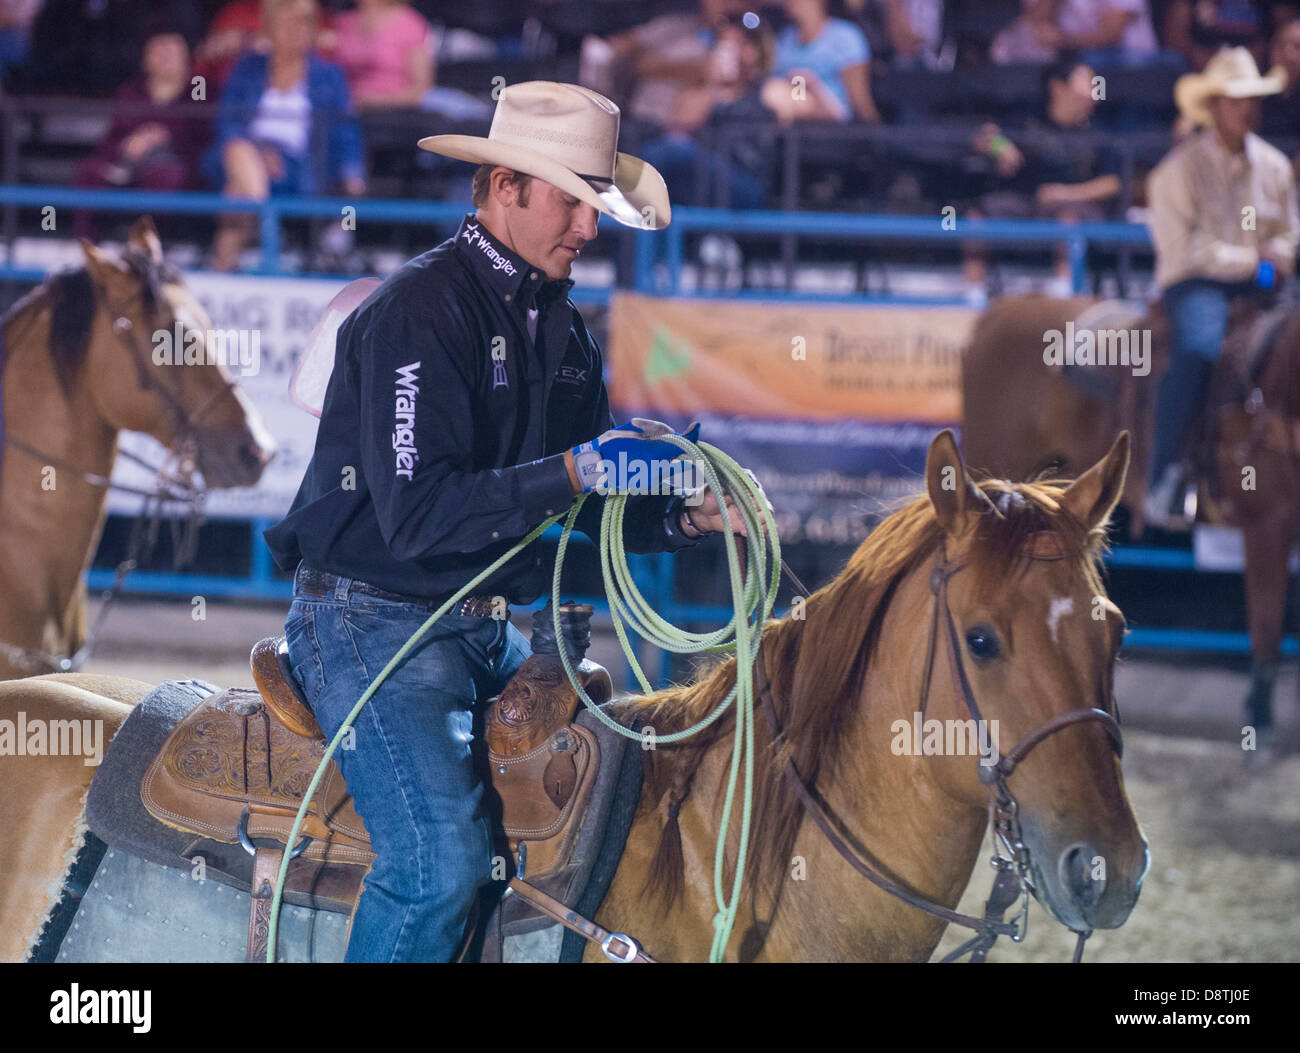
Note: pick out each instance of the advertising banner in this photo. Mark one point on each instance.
(833, 406)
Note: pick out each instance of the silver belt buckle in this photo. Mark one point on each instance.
(478, 606)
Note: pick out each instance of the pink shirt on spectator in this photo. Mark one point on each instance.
(378, 64)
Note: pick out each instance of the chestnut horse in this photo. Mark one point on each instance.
(76, 367)
(1038, 641)
(1020, 415)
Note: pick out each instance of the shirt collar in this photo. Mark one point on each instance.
(1249, 155)
(501, 269)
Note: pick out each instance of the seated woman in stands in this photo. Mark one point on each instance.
(387, 51)
(285, 125)
(145, 149)
(822, 68)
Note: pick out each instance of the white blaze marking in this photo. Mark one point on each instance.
(1062, 605)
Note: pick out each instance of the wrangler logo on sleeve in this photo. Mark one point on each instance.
(404, 452)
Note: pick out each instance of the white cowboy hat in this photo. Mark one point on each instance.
(1232, 73)
(567, 136)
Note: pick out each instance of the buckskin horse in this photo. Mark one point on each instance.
(1020, 415)
(76, 367)
(1002, 580)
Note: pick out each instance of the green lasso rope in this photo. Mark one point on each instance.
(753, 600)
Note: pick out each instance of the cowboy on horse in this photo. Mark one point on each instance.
(1225, 225)
(465, 407)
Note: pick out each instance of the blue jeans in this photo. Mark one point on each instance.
(1197, 310)
(410, 772)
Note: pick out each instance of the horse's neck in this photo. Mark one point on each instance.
(52, 517)
(889, 806)
(906, 827)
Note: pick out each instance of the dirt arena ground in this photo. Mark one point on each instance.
(1224, 884)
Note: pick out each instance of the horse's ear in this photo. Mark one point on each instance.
(144, 236)
(101, 265)
(945, 479)
(1093, 496)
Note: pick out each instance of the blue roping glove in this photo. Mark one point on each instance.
(628, 459)
(1265, 275)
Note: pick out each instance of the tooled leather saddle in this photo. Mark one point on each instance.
(235, 769)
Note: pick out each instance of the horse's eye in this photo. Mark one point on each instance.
(981, 643)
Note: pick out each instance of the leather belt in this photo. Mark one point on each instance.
(315, 582)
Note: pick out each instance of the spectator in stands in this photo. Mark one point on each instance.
(387, 51)
(650, 66)
(1044, 180)
(914, 29)
(237, 29)
(830, 59)
(16, 18)
(152, 151)
(1279, 115)
(1198, 29)
(1206, 256)
(90, 47)
(1106, 32)
(739, 64)
(270, 108)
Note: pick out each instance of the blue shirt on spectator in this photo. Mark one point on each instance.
(327, 90)
(839, 45)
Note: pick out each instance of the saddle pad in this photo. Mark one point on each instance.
(138, 911)
(114, 811)
(116, 814)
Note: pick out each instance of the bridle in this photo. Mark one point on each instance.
(1014, 879)
(173, 484)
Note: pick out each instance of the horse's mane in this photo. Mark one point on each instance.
(816, 666)
(70, 297)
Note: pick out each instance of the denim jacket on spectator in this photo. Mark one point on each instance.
(327, 90)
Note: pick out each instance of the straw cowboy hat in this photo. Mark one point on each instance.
(566, 135)
(1232, 73)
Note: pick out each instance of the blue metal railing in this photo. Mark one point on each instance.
(652, 248)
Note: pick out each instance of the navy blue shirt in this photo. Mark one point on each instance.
(443, 417)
